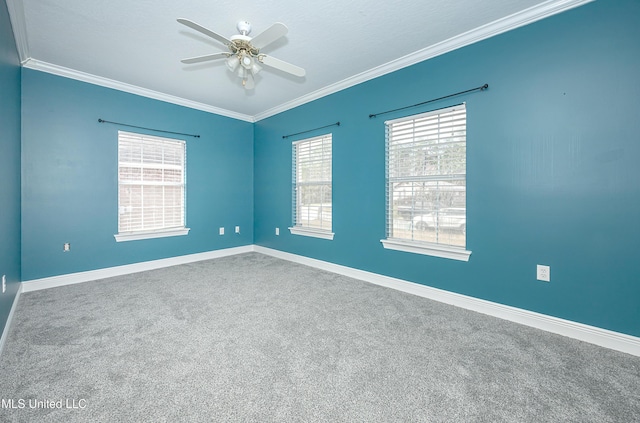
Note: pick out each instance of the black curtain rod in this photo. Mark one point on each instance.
(482, 88)
(311, 130)
(148, 129)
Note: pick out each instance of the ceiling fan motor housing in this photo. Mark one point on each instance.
(240, 43)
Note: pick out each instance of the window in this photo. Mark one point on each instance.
(426, 183)
(312, 207)
(151, 187)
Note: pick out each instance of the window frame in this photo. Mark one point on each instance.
(435, 249)
(297, 228)
(167, 231)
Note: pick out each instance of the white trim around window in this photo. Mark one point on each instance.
(151, 187)
(312, 205)
(315, 233)
(134, 236)
(426, 183)
(428, 249)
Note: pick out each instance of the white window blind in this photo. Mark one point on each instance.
(151, 183)
(426, 178)
(312, 204)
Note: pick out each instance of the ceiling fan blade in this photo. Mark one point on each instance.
(282, 65)
(205, 31)
(269, 35)
(204, 58)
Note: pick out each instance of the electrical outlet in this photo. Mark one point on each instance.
(4, 283)
(237, 229)
(221, 231)
(544, 273)
(66, 247)
(277, 231)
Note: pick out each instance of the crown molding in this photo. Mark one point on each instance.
(508, 23)
(516, 20)
(16, 15)
(132, 89)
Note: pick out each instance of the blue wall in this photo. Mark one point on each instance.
(69, 176)
(9, 164)
(552, 170)
(552, 162)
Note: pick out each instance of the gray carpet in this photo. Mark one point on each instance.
(254, 338)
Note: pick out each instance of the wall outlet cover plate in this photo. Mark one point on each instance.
(543, 273)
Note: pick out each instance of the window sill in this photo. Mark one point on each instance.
(134, 236)
(316, 233)
(428, 249)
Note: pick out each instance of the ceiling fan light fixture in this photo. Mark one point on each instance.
(248, 83)
(246, 61)
(233, 62)
(255, 68)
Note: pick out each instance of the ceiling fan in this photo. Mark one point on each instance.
(244, 57)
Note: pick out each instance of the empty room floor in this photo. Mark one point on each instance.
(255, 338)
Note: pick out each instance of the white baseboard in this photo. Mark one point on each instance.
(594, 335)
(7, 326)
(91, 275)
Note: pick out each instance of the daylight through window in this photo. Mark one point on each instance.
(312, 204)
(426, 178)
(151, 183)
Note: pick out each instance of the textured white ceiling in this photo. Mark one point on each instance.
(140, 44)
